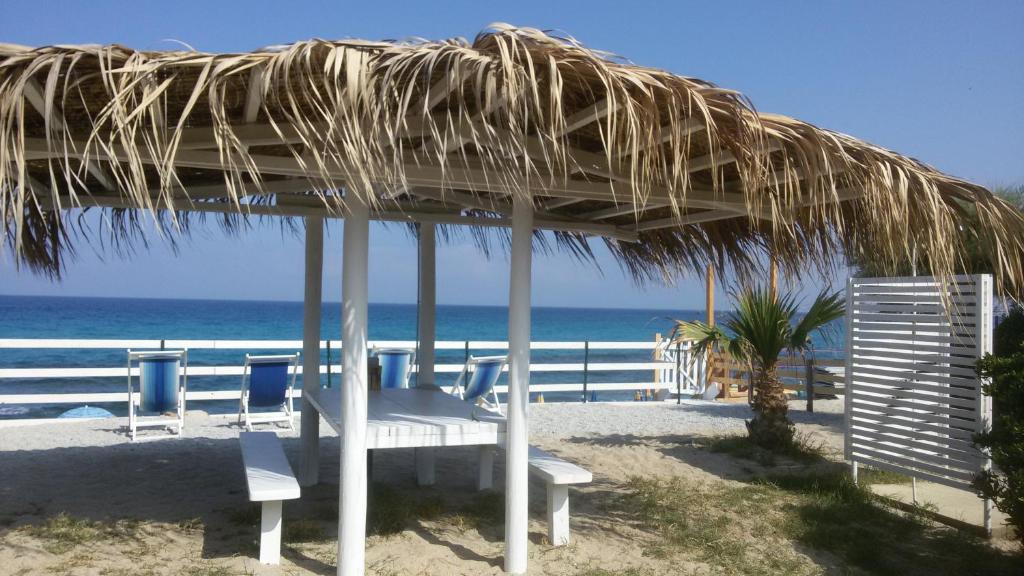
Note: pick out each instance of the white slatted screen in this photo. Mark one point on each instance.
(914, 400)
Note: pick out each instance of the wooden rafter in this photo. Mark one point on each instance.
(254, 96)
(622, 210)
(587, 116)
(688, 127)
(34, 95)
(696, 218)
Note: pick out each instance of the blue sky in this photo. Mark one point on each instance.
(940, 81)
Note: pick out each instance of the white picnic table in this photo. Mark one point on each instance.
(427, 418)
(416, 418)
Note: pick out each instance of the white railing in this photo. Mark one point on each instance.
(662, 366)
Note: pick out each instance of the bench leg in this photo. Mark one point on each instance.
(485, 470)
(270, 533)
(425, 466)
(558, 514)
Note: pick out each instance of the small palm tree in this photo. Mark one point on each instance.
(764, 326)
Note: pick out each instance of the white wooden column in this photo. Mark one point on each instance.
(354, 296)
(309, 464)
(516, 470)
(427, 304)
(426, 308)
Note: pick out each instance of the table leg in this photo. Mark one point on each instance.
(309, 432)
(425, 466)
(485, 470)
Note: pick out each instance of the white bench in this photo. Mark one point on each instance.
(558, 474)
(270, 480)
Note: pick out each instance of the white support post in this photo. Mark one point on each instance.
(424, 466)
(517, 464)
(848, 384)
(354, 296)
(983, 289)
(270, 532)
(485, 472)
(558, 514)
(427, 304)
(309, 465)
(426, 308)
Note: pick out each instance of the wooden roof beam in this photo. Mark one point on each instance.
(253, 96)
(696, 218)
(504, 208)
(724, 157)
(621, 210)
(559, 203)
(407, 212)
(597, 165)
(34, 94)
(690, 126)
(593, 113)
(417, 174)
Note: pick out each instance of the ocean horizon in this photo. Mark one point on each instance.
(75, 317)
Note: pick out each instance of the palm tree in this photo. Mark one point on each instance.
(763, 327)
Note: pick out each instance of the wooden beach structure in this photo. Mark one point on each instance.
(526, 139)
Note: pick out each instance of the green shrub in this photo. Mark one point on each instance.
(1005, 484)
(1008, 337)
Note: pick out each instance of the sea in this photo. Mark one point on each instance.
(179, 319)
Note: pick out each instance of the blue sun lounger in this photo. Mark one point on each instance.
(477, 380)
(267, 382)
(160, 402)
(395, 366)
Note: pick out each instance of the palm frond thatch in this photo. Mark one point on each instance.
(673, 172)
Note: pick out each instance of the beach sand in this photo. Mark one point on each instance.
(179, 506)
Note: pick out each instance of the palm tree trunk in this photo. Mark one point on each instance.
(770, 426)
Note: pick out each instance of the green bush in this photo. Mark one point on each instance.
(1008, 337)
(1005, 484)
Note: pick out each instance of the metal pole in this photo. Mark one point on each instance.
(328, 362)
(586, 368)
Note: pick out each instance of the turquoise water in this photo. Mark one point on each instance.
(122, 318)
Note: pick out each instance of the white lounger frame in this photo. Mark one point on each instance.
(284, 415)
(488, 400)
(176, 425)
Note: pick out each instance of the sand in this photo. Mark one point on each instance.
(179, 506)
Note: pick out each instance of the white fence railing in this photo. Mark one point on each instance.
(670, 367)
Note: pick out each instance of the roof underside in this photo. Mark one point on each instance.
(673, 172)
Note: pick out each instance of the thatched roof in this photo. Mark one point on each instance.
(672, 172)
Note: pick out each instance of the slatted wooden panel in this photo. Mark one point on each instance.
(913, 398)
